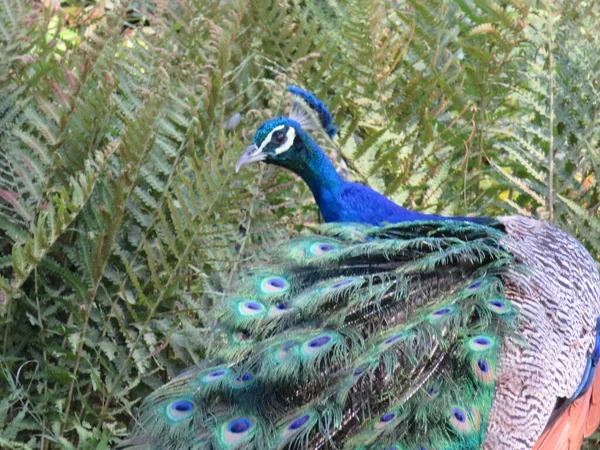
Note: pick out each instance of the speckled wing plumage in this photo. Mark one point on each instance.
(559, 301)
(428, 335)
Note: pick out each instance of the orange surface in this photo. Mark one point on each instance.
(578, 421)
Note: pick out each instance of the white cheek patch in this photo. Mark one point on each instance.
(291, 134)
(268, 138)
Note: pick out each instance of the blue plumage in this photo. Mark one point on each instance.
(284, 142)
(591, 367)
(355, 202)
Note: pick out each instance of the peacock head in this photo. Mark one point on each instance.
(283, 141)
(279, 141)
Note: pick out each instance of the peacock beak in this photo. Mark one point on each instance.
(250, 155)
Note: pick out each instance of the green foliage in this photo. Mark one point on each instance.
(121, 220)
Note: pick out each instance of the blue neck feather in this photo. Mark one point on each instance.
(343, 201)
(320, 174)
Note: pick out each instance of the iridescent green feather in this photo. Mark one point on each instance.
(359, 337)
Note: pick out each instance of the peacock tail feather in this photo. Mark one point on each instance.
(358, 337)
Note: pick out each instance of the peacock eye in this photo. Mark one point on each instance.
(278, 137)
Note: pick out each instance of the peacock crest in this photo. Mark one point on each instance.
(310, 112)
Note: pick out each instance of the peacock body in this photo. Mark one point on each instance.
(391, 329)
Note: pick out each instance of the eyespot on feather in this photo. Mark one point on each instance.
(484, 370)
(237, 430)
(498, 306)
(340, 284)
(215, 375)
(359, 371)
(391, 341)
(481, 343)
(475, 285)
(431, 393)
(318, 344)
(320, 248)
(386, 420)
(250, 308)
(279, 309)
(462, 420)
(180, 410)
(274, 285)
(442, 313)
(243, 380)
(298, 424)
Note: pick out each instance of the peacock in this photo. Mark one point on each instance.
(390, 329)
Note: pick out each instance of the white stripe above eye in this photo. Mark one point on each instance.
(291, 134)
(268, 138)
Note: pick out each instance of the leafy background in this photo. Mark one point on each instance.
(122, 220)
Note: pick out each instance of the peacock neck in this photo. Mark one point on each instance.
(320, 174)
(342, 201)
